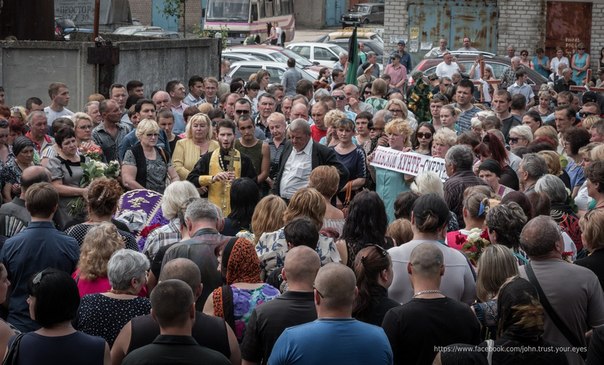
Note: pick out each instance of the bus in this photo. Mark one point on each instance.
(248, 19)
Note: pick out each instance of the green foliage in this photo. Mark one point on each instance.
(173, 8)
(223, 32)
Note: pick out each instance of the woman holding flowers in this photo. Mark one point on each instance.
(145, 165)
(83, 134)
(66, 172)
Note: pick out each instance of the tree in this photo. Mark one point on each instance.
(176, 8)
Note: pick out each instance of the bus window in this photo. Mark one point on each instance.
(254, 12)
(269, 8)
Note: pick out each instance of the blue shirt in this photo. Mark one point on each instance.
(332, 341)
(36, 248)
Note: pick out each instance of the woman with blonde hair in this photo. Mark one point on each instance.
(582, 198)
(449, 116)
(268, 215)
(443, 140)
(552, 160)
(83, 125)
(330, 119)
(496, 264)
(390, 183)
(326, 180)
(397, 108)
(99, 244)
(592, 229)
(198, 141)
(146, 166)
(272, 246)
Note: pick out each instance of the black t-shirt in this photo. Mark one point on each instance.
(417, 327)
(269, 320)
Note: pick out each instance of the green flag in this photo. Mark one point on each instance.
(353, 58)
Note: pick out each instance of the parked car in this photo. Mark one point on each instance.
(364, 14)
(324, 53)
(275, 54)
(372, 41)
(244, 69)
(64, 27)
(236, 57)
(147, 31)
(499, 65)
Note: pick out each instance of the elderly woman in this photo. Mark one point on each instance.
(53, 303)
(520, 136)
(582, 199)
(175, 197)
(66, 172)
(272, 245)
(102, 197)
(366, 224)
(390, 183)
(145, 165)
(592, 229)
(330, 119)
(240, 267)
(198, 142)
(443, 140)
(23, 150)
(99, 244)
(106, 313)
(504, 223)
(397, 108)
(595, 183)
(560, 211)
(544, 108)
(373, 270)
(326, 180)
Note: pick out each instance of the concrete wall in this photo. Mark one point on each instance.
(310, 13)
(27, 68)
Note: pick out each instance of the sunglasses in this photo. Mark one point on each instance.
(367, 92)
(152, 135)
(513, 140)
(242, 111)
(395, 110)
(585, 114)
(339, 97)
(426, 135)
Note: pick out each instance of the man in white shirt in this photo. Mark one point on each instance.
(449, 66)
(300, 158)
(467, 45)
(59, 96)
(521, 87)
(438, 51)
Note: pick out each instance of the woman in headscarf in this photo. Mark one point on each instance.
(243, 289)
(521, 325)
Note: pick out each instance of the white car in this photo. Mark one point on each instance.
(324, 53)
(276, 54)
(244, 69)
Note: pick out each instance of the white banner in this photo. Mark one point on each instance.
(409, 163)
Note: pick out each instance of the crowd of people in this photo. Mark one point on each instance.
(239, 223)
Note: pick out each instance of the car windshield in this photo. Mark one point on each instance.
(283, 55)
(361, 9)
(232, 10)
(336, 49)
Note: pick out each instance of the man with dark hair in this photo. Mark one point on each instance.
(111, 132)
(59, 96)
(295, 306)
(173, 307)
(417, 328)
(501, 102)
(135, 88)
(521, 87)
(305, 88)
(38, 247)
(177, 93)
(301, 231)
(266, 106)
(320, 341)
(14, 216)
(195, 95)
(565, 118)
(518, 105)
(144, 109)
(291, 77)
(458, 163)
(209, 331)
(217, 169)
(573, 292)
(33, 104)
(464, 93)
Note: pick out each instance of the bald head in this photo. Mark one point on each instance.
(32, 175)
(336, 284)
(301, 265)
(540, 236)
(161, 99)
(299, 111)
(185, 270)
(427, 260)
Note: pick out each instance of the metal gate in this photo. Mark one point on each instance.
(334, 9)
(568, 24)
(429, 20)
(160, 19)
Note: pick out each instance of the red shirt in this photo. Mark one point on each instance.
(317, 133)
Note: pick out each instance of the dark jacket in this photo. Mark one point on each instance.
(321, 155)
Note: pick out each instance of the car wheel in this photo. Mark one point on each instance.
(365, 22)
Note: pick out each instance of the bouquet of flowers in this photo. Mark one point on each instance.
(91, 150)
(93, 170)
(476, 241)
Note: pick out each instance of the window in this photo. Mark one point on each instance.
(262, 57)
(268, 8)
(303, 51)
(245, 71)
(276, 74)
(323, 54)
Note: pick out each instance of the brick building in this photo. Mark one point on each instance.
(495, 24)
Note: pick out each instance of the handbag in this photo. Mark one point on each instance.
(347, 199)
(558, 322)
(12, 355)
